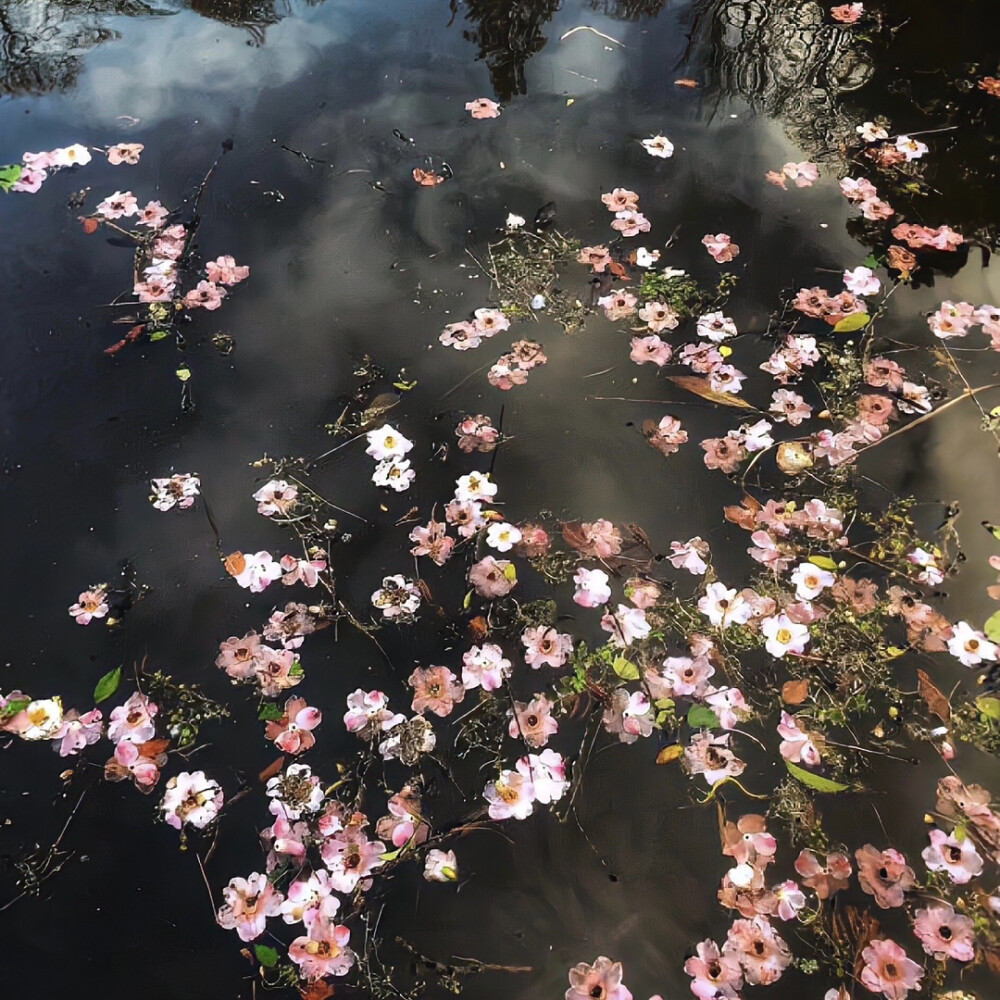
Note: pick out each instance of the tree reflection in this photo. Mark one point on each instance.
(43, 43)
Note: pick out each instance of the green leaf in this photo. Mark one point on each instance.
(467, 603)
(852, 323)
(156, 335)
(824, 562)
(183, 374)
(295, 670)
(390, 855)
(9, 176)
(268, 957)
(510, 573)
(625, 669)
(992, 627)
(405, 386)
(107, 685)
(13, 707)
(870, 261)
(270, 713)
(700, 717)
(816, 781)
(989, 707)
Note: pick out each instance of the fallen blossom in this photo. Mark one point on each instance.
(192, 799)
(658, 145)
(89, 605)
(124, 152)
(397, 596)
(721, 247)
(483, 107)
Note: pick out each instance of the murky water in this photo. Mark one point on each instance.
(349, 257)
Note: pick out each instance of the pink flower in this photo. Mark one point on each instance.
(546, 647)
(532, 721)
(944, 933)
(463, 336)
(152, 215)
(547, 773)
(156, 289)
(596, 257)
(761, 952)
(30, 181)
(323, 952)
(618, 305)
(710, 756)
(862, 281)
(89, 605)
(631, 223)
(826, 879)
(77, 731)
(667, 436)
(884, 875)
(125, 152)
(626, 625)
(505, 374)
(483, 107)
(305, 570)
(681, 677)
(796, 744)
(350, 857)
(702, 357)
(248, 904)
(716, 327)
(368, 714)
(602, 980)
(725, 453)
(592, 588)
(404, 824)
(790, 898)
(888, 971)
(277, 671)
(476, 434)
(489, 322)
(642, 593)
(690, 555)
(492, 577)
(861, 189)
(620, 200)
(716, 975)
(205, 294)
(884, 374)
(169, 245)
(435, 689)
(466, 514)
(958, 858)
(292, 733)
(847, 13)
(942, 238)
(721, 247)
(118, 205)
(650, 349)
(952, 319)
(133, 721)
(225, 271)
(431, 540)
(511, 795)
(192, 799)
(629, 715)
(804, 173)
(659, 317)
(726, 378)
(484, 666)
(258, 571)
(240, 658)
(291, 626)
(129, 759)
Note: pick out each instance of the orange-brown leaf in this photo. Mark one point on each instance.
(478, 628)
(318, 990)
(271, 770)
(90, 226)
(700, 387)
(235, 563)
(795, 692)
(427, 178)
(686, 81)
(153, 748)
(619, 269)
(936, 701)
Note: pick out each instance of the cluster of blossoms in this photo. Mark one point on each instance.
(178, 490)
(955, 319)
(862, 192)
(389, 449)
(477, 434)
(805, 174)
(628, 220)
(467, 334)
(36, 167)
(512, 368)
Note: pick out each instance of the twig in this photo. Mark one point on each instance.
(587, 27)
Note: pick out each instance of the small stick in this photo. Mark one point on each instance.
(587, 27)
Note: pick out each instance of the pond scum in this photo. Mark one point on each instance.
(820, 660)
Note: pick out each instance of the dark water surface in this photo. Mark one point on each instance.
(339, 269)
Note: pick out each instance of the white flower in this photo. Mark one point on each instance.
(757, 437)
(547, 773)
(716, 327)
(191, 798)
(259, 570)
(386, 442)
(659, 145)
(742, 876)
(442, 866)
(475, 486)
(862, 281)
(45, 716)
(395, 475)
(932, 574)
(592, 588)
(626, 625)
(810, 581)
(398, 596)
(783, 635)
(646, 258)
(275, 497)
(724, 606)
(502, 537)
(912, 149)
(511, 795)
(513, 222)
(179, 490)
(71, 155)
(970, 646)
(484, 666)
(871, 132)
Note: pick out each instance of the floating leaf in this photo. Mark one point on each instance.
(183, 373)
(391, 855)
(793, 457)
(852, 323)
(9, 176)
(405, 386)
(992, 627)
(700, 717)
(267, 956)
(936, 701)
(795, 692)
(467, 602)
(701, 387)
(993, 529)
(816, 781)
(90, 226)
(510, 573)
(270, 713)
(235, 563)
(670, 753)
(13, 707)
(107, 685)
(153, 748)
(156, 335)
(989, 707)
(824, 562)
(686, 82)
(625, 669)
(427, 178)
(271, 770)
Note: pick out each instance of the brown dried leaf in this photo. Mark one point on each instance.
(793, 457)
(686, 81)
(427, 178)
(478, 628)
(936, 701)
(670, 753)
(235, 563)
(616, 268)
(153, 748)
(700, 387)
(795, 692)
(271, 770)
(90, 226)
(573, 534)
